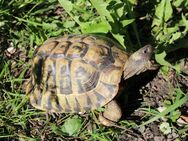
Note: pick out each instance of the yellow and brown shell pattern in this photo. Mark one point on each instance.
(75, 73)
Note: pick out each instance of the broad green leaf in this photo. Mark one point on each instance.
(185, 21)
(93, 27)
(49, 25)
(173, 29)
(177, 67)
(67, 5)
(120, 10)
(160, 58)
(158, 19)
(134, 2)
(69, 24)
(168, 10)
(127, 22)
(163, 12)
(56, 129)
(72, 126)
(100, 6)
(177, 3)
(120, 39)
(175, 36)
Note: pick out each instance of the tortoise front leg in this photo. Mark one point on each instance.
(111, 114)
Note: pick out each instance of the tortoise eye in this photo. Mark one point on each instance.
(145, 51)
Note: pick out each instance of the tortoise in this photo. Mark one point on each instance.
(79, 73)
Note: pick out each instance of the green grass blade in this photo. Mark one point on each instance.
(3, 71)
(169, 109)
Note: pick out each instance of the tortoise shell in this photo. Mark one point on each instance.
(75, 73)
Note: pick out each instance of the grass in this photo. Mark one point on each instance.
(25, 25)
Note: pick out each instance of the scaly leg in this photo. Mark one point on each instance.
(111, 114)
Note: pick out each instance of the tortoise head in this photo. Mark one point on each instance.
(138, 62)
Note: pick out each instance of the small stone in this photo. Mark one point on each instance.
(170, 136)
(159, 138)
(11, 50)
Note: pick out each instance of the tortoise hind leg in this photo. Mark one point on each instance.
(111, 114)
